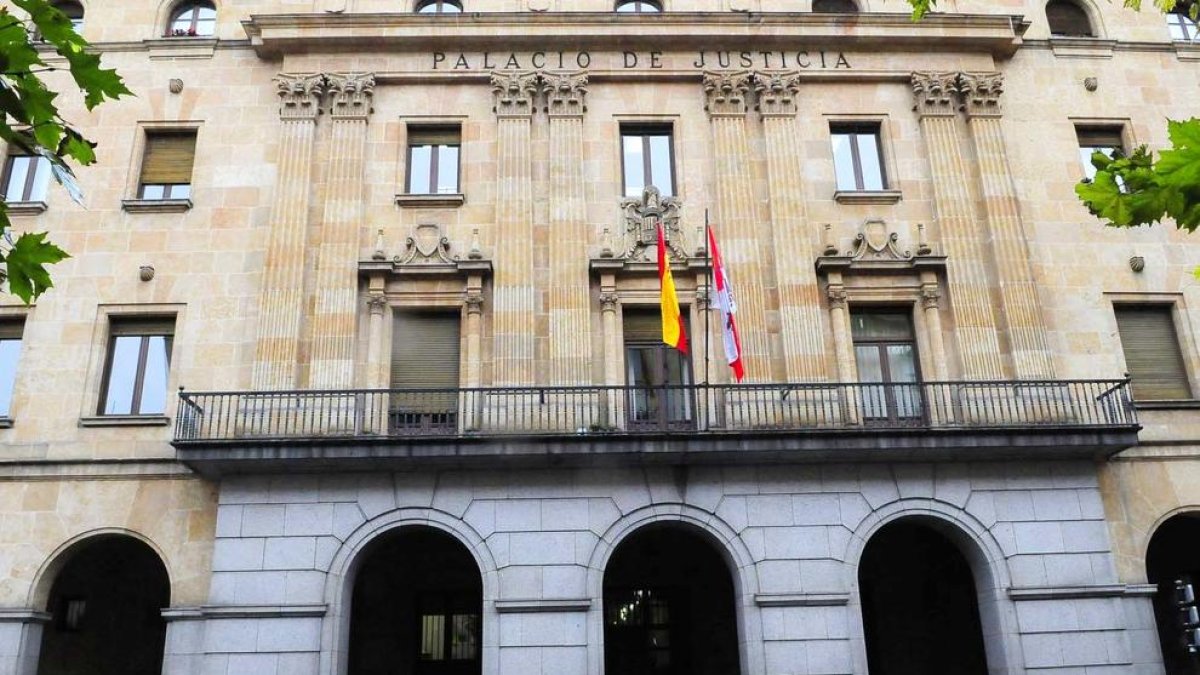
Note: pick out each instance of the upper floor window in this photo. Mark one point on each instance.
(439, 7)
(1181, 25)
(26, 178)
(167, 165)
(834, 7)
(857, 158)
(647, 158)
(193, 19)
(639, 6)
(1153, 358)
(74, 12)
(135, 373)
(1068, 19)
(1107, 140)
(10, 351)
(433, 160)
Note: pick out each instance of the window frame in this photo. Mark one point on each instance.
(135, 202)
(434, 159)
(27, 196)
(439, 7)
(1118, 128)
(1174, 307)
(12, 329)
(194, 22)
(656, 7)
(854, 129)
(114, 334)
(1185, 24)
(646, 130)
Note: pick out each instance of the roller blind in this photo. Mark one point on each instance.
(168, 158)
(11, 329)
(149, 325)
(425, 350)
(1152, 353)
(643, 325)
(1099, 137)
(441, 135)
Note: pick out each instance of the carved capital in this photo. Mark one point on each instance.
(376, 302)
(838, 298)
(514, 93)
(609, 301)
(725, 92)
(566, 93)
(777, 91)
(934, 94)
(981, 93)
(350, 95)
(474, 302)
(931, 296)
(299, 95)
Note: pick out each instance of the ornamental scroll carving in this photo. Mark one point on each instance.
(426, 246)
(777, 92)
(300, 95)
(514, 93)
(875, 242)
(350, 95)
(642, 216)
(981, 93)
(726, 91)
(935, 93)
(566, 93)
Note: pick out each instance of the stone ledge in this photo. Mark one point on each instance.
(1187, 51)
(125, 421)
(156, 205)
(244, 612)
(23, 615)
(26, 208)
(1082, 47)
(181, 47)
(533, 606)
(1068, 592)
(407, 201)
(867, 196)
(801, 599)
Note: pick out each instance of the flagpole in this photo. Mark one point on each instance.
(708, 307)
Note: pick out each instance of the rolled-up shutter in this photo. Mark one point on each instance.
(425, 347)
(643, 325)
(1152, 354)
(168, 158)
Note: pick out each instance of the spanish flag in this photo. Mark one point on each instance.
(674, 333)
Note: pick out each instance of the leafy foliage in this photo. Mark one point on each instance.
(31, 122)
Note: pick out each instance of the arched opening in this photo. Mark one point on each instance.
(834, 7)
(639, 6)
(193, 19)
(106, 607)
(439, 7)
(416, 607)
(669, 606)
(919, 604)
(1173, 564)
(1068, 19)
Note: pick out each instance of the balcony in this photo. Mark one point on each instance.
(236, 432)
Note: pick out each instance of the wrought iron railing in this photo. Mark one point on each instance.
(631, 410)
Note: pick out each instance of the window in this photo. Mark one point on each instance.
(1108, 140)
(433, 166)
(1152, 355)
(425, 360)
(135, 373)
(449, 629)
(834, 7)
(193, 19)
(74, 12)
(167, 165)
(1068, 19)
(439, 7)
(885, 351)
(1181, 25)
(639, 7)
(10, 351)
(857, 159)
(658, 376)
(647, 158)
(26, 178)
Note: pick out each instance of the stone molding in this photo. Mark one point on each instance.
(566, 93)
(777, 92)
(206, 612)
(834, 599)
(538, 606)
(300, 95)
(1076, 592)
(943, 94)
(726, 92)
(23, 615)
(515, 93)
(350, 95)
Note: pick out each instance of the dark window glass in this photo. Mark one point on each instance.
(857, 158)
(647, 158)
(834, 7)
(26, 178)
(439, 7)
(433, 160)
(1107, 140)
(135, 375)
(10, 352)
(195, 19)
(639, 7)
(167, 165)
(1068, 19)
(74, 12)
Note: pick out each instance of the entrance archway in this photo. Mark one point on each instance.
(669, 606)
(106, 605)
(416, 607)
(1173, 557)
(919, 603)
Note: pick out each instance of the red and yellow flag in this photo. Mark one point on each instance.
(674, 333)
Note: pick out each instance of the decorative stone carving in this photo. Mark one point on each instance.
(838, 297)
(379, 253)
(875, 242)
(981, 93)
(566, 93)
(726, 92)
(608, 302)
(642, 217)
(514, 93)
(426, 246)
(474, 302)
(350, 95)
(376, 302)
(777, 91)
(935, 93)
(300, 96)
(931, 296)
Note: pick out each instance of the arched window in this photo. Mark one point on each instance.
(639, 7)
(74, 12)
(1068, 19)
(439, 7)
(193, 19)
(1183, 28)
(834, 7)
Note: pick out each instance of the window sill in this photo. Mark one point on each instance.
(1187, 50)
(25, 208)
(866, 196)
(5, 422)
(181, 47)
(125, 421)
(1082, 47)
(1168, 404)
(407, 201)
(156, 205)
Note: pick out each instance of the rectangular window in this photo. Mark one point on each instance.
(135, 373)
(167, 165)
(425, 358)
(449, 628)
(1104, 139)
(647, 158)
(1152, 354)
(433, 160)
(885, 351)
(857, 157)
(10, 352)
(26, 178)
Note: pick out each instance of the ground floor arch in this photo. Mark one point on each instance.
(416, 606)
(105, 600)
(1173, 565)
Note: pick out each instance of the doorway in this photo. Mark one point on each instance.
(885, 352)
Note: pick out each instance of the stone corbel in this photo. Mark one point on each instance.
(981, 93)
(300, 95)
(935, 93)
(350, 95)
(566, 93)
(931, 295)
(514, 93)
(726, 92)
(777, 92)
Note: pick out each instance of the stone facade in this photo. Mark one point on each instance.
(301, 245)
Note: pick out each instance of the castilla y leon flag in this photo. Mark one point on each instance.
(725, 303)
(674, 333)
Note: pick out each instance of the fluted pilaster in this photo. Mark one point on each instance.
(569, 297)
(1026, 329)
(800, 312)
(975, 322)
(514, 293)
(726, 94)
(281, 304)
(335, 317)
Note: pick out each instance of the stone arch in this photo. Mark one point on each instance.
(725, 541)
(166, 8)
(1089, 9)
(983, 553)
(339, 581)
(1148, 535)
(43, 579)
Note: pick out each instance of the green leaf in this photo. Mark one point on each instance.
(26, 261)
